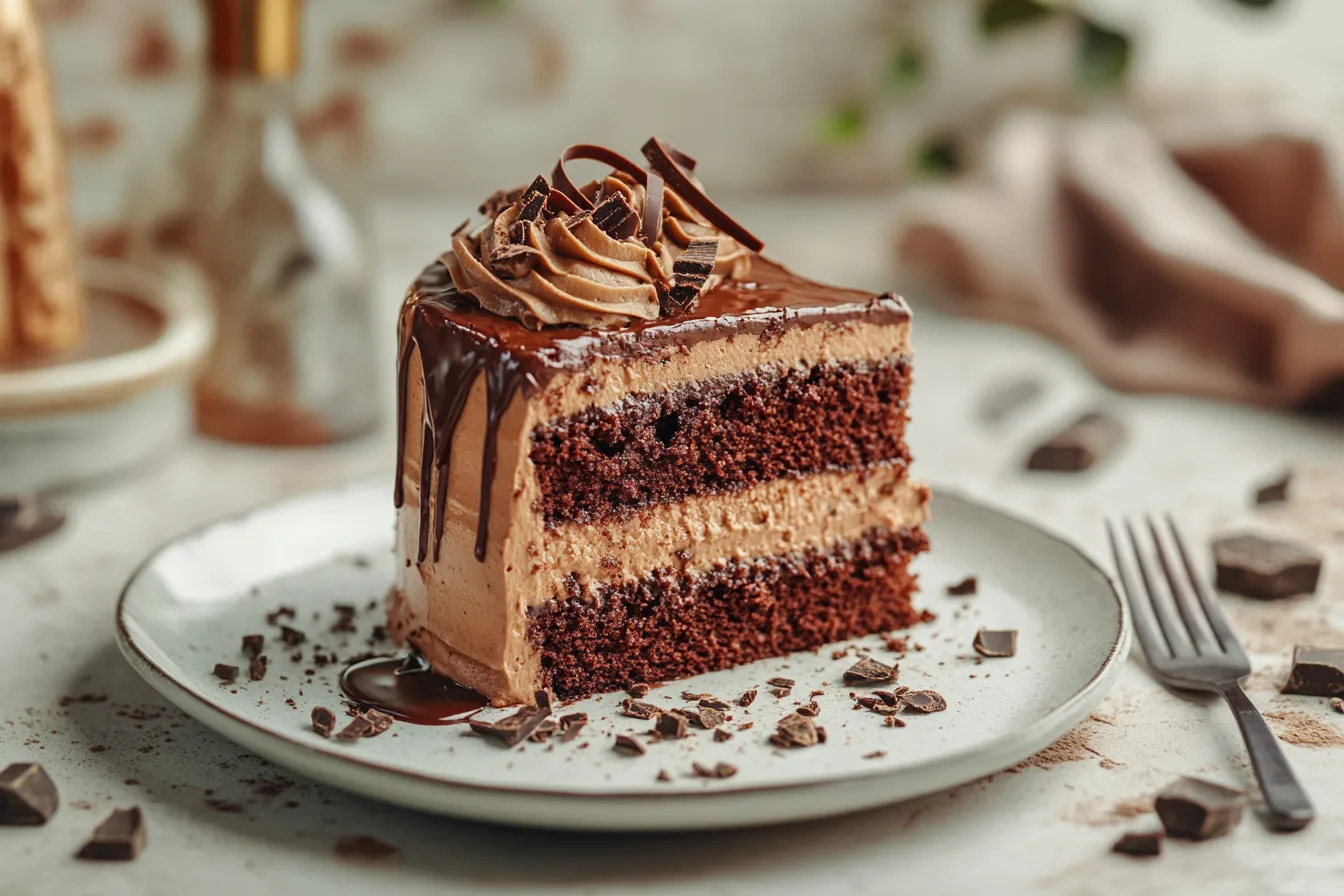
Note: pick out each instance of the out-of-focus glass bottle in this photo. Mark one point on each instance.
(240, 214)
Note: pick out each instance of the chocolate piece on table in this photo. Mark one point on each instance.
(715, 703)
(571, 725)
(1316, 672)
(120, 838)
(781, 693)
(256, 670)
(628, 746)
(719, 770)
(638, 709)
(253, 644)
(638, 691)
(704, 716)
(995, 643)
(28, 796)
(722, 734)
(225, 672)
(1144, 839)
(967, 586)
(1275, 492)
(747, 698)
(292, 637)
(868, 670)
(324, 721)
(923, 701)
(1079, 446)
(781, 682)
(1337, 704)
(1264, 568)
(512, 730)
(1195, 809)
(671, 724)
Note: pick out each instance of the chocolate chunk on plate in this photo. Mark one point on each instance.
(1079, 446)
(512, 730)
(225, 672)
(1195, 809)
(638, 709)
(324, 721)
(120, 838)
(966, 587)
(628, 746)
(671, 724)
(1316, 672)
(1274, 492)
(796, 731)
(1265, 568)
(253, 644)
(747, 698)
(27, 795)
(1145, 839)
(995, 642)
(868, 670)
(923, 701)
(718, 770)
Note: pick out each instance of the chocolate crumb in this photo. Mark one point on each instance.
(571, 725)
(663, 777)
(1145, 840)
(28, 796)
(638, 709)
(225, 672)
(692, 696)
(671, 724)
(1337, 704)
(638, 691)
(782, 682)
(704, 716)
(796, 731)
(1275, 492)
(747, 698)
(324, 721)
(839, 654)
(719, 770)
(781, 693)
(364, 847)
(628, 746)
(893, 722)
(967, 586)
(256, 670)
(274, 618)
(868, 670)
(715, 703)
(292, 637)
(811, 710)
(722, 734)
(120, 838)
(253, 644)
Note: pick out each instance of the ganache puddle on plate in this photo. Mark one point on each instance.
(406, 689)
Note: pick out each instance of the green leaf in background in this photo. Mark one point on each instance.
(845, 124)
(1103, 56)
(907, 66)
(937, 157)
(998, 16)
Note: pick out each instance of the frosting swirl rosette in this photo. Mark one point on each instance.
(637, 244)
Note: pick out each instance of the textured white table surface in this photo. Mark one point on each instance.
(1045, 829)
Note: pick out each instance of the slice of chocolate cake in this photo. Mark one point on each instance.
(634, 449)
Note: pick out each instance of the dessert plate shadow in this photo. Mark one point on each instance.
(188, 606)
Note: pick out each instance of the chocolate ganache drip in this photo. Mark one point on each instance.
(634, 246)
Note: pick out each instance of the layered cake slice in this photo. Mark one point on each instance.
(634, 449)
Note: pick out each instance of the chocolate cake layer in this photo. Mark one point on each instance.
(671, 625)
(721, 435)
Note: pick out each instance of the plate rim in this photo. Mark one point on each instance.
(257, 737)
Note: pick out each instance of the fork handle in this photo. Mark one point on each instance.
(1289, 808)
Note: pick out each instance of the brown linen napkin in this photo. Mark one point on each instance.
(1173, 256)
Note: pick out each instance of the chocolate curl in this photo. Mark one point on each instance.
(41, 299)
(558, 203)
(664, 161)
(588, 151)
(653, 210)
(690, 273)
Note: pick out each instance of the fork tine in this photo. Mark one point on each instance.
(1195, 626)
(1177, 641)
(1212, 611)
(1145, 625)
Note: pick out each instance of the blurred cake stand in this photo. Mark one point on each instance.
(117, 400)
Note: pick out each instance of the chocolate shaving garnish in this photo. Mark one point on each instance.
(28, 796)
(120, 837)
(747, 698)
(715, 703)
(513, 729)
(324, 721)
(225, 672)
(888, 697)
(690, 273)
(924, 701)
(671, 724)
(782, 682)
(558, 203)
(652, 223)
(615, 217)
(628, 746)
(595, 154)
(692, 695)
(669, 163)
(637, 709)
(370, 723)
(867, 670)
(253, 644)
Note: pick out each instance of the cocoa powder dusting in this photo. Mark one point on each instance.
(1302, 730)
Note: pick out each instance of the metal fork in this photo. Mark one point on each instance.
(1190, 646)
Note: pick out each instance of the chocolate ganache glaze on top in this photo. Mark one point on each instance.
(703, 278)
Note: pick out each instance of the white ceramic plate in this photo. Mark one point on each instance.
(187, 607)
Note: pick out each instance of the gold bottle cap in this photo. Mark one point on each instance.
(259, 38)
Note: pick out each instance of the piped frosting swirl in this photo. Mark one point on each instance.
(637, 244)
